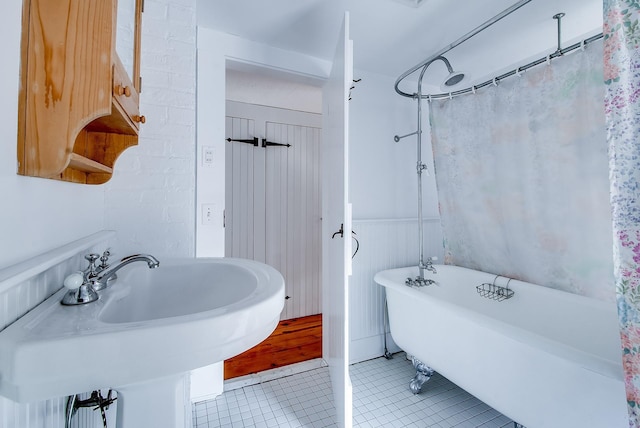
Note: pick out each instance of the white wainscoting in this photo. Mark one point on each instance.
(384, 244)
(23, 287)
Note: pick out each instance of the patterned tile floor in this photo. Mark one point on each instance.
(381, 398)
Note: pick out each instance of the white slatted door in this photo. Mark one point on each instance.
(293, 209)
(273, 206)
(245, 193)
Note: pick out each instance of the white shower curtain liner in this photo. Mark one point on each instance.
(522, 176)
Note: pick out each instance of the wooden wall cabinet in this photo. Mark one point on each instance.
(78, 108)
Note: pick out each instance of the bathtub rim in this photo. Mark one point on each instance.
(586, 360)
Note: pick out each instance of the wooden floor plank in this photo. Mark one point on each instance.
(293, 341)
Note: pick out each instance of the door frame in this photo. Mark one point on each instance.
(214, 51)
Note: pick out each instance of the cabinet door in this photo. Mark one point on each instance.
(61, 90)
(78, 106)
(128, 32)
(126, 60)
(125, 95)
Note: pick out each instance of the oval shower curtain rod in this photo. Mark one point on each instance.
(461, 40)
(515, 72)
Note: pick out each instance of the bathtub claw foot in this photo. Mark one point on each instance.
(423, 374)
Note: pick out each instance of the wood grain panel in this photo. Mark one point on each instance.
(68, 78)
(293, 341)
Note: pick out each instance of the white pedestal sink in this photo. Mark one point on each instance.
(142, 336)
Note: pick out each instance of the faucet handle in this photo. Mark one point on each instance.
(432, 259)
(104, 265)
(92, 257)
(91, 270)
(104, 259)
(74, 281)
(80, 290)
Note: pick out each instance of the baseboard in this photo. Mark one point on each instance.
(267, 375)
(370, 347)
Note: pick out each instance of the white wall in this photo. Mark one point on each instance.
(273, 90)
(377, 113)
(36, 214)
(384, 192)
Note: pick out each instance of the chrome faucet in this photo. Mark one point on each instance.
(83, 285)
(420, 280)
(429, 265)
(101, 279)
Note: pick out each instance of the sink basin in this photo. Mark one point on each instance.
(163, 293)
(150, 324)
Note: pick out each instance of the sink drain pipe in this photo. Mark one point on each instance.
(97, 401)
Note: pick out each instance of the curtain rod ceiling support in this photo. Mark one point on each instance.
(558, 17)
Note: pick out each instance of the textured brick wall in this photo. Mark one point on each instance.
(150, 200)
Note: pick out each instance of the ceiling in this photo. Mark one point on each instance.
(391, 36)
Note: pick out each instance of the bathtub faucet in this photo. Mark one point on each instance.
(428, 266)
(419, 282)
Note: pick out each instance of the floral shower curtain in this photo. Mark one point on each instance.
(522, 176)
(622, 107)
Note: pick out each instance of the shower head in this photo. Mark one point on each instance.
(453, 78)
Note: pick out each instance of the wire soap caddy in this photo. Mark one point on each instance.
(495, 292)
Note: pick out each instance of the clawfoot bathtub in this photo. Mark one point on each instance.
(544, 358)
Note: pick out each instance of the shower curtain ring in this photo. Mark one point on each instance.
(473, 89)
(518, 72)
(429, 97)
(582, 45)
(450, 97)
(495, 82)
(548, 59)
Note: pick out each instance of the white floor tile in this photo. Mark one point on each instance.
(381, 398)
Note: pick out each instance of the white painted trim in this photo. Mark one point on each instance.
(246, 51)
(370, 347)
(395, 220)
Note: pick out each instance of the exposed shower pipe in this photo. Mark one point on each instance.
(462, 39)
(397, 138)
(452, 79)
(420, 167)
